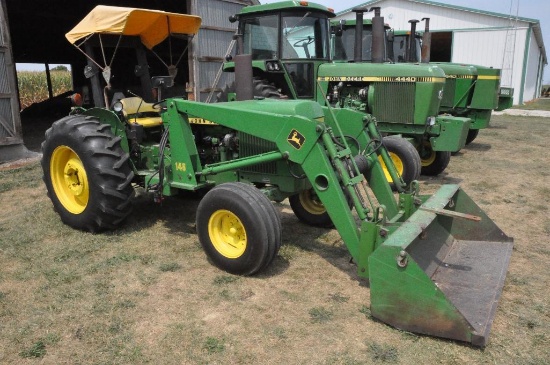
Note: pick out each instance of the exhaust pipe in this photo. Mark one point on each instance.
(358, 49)
(243, 73)
(378, 36)
(411, 56)
(426, 42)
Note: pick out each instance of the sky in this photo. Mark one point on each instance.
(534, 9)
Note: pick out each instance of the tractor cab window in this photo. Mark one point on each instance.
(260, 37)
(401, 49)
(344, 45)
(304, 36)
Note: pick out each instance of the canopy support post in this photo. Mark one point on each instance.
(97, 90)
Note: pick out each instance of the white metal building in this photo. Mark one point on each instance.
(472, 36)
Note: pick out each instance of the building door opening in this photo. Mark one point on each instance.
(442, 45)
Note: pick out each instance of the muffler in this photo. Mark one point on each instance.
(441, 272)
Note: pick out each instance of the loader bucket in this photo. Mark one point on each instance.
(442, 271)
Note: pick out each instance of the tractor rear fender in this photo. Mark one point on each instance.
(118, 127)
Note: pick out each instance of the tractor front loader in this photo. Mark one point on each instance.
(436, 264)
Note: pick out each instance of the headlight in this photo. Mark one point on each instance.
(117, 106)
(430, 121)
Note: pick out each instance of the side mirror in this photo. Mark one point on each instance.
(340, 29)
(390, 35)
(162, 81)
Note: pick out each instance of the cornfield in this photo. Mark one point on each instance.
(33, 87)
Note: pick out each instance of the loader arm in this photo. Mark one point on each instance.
(297, 128)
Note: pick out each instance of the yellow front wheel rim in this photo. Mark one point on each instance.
(69, 179)
(227, 234)
(428, 157)
(397, 162)
(311, 203)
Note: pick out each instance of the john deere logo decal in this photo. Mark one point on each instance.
(296, 139)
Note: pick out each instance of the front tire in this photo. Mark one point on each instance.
(87, 174)
(434, 162)
(238, 228)
(472, 134)
(405, 158)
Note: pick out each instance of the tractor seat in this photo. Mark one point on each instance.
(139, 111)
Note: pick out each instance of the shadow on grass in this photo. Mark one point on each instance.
(324, 242)
(474, 146)
(497, 126)
(177, 213)
(443, 178)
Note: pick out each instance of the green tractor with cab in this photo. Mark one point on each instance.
(291, 55)
(471, 91)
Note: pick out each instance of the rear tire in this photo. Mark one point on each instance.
(239, 228)
(261, 88)
(309, 209)
(87, 174)
(472, 134)
(405, 158)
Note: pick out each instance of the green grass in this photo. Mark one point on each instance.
(320, 315)
(383, 353)
(537, 104)
(214, 345)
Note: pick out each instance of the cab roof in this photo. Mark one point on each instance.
(287, 5)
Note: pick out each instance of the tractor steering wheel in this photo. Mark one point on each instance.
(304, 42)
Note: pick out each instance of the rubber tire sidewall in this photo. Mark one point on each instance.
(408, 155)
(99, 151)
(255, 220)
(316, 220)
(472, 135)
(260, 88)
(442, 159)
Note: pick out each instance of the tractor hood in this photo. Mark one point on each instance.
(381, 72)
(152, 26)
(456, 69)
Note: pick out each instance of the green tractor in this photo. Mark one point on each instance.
(290, 46)
(436, 264)
(471, 91)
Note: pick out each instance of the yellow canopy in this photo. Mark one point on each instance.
(152, 26)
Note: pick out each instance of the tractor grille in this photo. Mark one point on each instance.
(394, 102)
(449, 92)
(250, 146)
